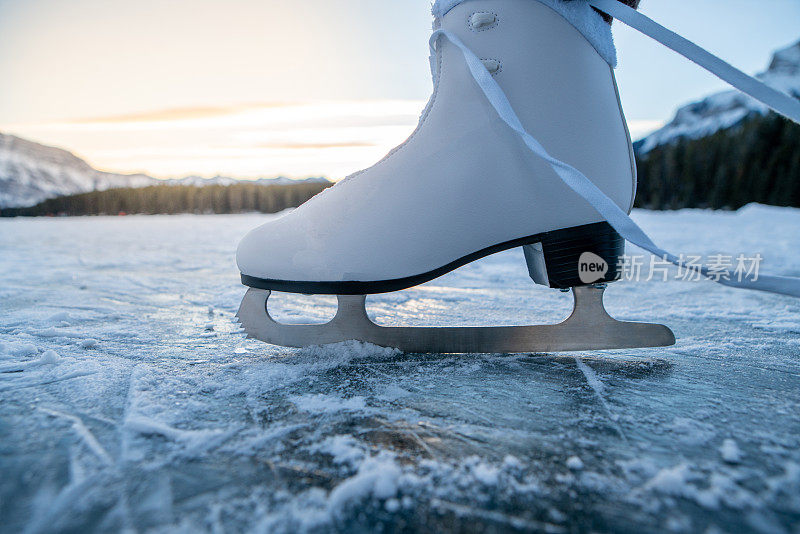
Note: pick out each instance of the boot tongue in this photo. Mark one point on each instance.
(577, 12)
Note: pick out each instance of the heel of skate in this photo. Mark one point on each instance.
(579, 256)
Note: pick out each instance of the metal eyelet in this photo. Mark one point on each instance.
(482, 20)
(492, 65)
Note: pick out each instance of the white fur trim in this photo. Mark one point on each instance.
(577, 12)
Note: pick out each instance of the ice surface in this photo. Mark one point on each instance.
(129, 399)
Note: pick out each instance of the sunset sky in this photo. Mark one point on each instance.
(310, 87)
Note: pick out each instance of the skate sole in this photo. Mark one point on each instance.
(562, 249)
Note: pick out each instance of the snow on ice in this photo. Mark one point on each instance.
(130, 399)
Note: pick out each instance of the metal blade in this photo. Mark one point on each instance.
(589, 327)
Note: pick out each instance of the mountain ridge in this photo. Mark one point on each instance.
(726, 109)
(31, 172)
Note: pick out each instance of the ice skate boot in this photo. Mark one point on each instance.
(464, 186)
(522, 144)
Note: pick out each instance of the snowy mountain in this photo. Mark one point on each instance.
(726, 109)
(31, 172)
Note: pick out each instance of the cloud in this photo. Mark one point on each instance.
(640, 128)
(315, 146)
(182, 113)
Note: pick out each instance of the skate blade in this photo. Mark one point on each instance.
(589, 327)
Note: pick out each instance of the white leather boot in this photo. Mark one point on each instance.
(464, 185)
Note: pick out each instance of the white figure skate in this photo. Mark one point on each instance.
(511, 77)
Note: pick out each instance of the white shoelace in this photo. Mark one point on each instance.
(779, 102)
(584, 187)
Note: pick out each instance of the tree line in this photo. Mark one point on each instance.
(755, 161)
(173, 199)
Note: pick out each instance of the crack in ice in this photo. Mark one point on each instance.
(84, 434)
(599, 389)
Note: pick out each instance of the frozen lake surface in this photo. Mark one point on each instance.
(129, 399)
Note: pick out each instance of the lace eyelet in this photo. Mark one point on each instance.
(482, 20)
(492, 65)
